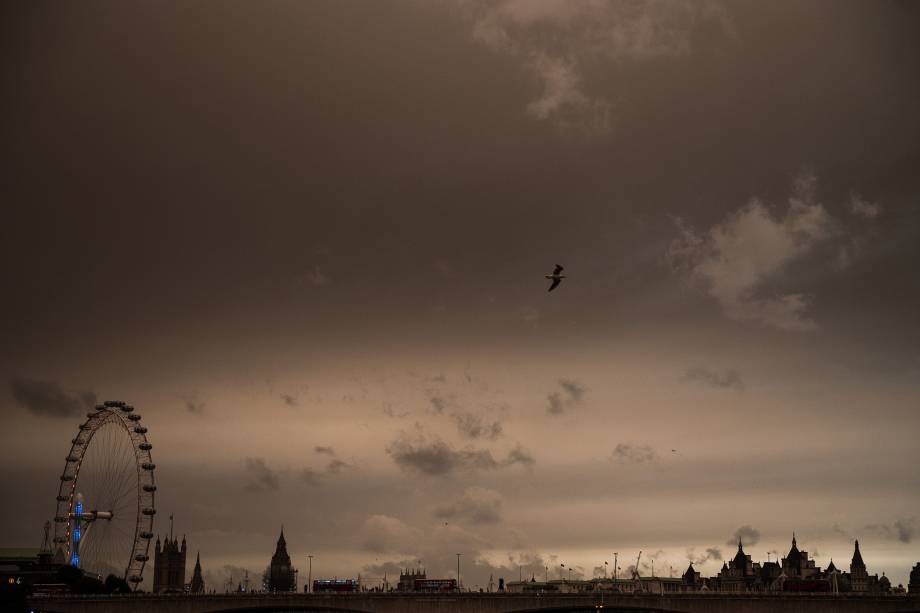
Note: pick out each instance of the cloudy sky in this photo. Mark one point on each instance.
(307, 241)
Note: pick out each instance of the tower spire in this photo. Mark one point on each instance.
(197, 584)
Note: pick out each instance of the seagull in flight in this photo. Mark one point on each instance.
(557, 277)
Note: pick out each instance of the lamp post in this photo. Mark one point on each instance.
(310, 574)
(615, 555)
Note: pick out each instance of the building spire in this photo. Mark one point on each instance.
(793, 538)
(857, 557)
(197, 584)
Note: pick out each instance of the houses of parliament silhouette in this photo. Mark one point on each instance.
(169, 566)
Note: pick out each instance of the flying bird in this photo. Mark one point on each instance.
(556, 277)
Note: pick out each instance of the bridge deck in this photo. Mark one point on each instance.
(479, 603)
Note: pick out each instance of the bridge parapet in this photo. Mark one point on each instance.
(478, 603)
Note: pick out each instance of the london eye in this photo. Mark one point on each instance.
(105, 501)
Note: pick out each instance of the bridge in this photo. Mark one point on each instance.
(479, 603)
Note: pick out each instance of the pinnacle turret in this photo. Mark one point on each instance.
(857, 557)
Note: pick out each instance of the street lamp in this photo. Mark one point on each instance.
(310, 574)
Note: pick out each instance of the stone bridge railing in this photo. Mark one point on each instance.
(479, 603)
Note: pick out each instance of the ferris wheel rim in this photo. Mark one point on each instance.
(122, 416)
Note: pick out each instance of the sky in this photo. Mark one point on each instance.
(308, 242)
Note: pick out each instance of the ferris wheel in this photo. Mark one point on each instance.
(105, 502)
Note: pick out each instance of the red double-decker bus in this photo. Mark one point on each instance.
(435, 585)
(335, 586)
(806, 585)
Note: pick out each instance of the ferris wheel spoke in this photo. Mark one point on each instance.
(123, 488)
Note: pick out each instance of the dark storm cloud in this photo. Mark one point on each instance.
(473, 426)
(711, 553)
(49, 398)
(477, 505)
(389, 412)
(838, 529)
(574, 390)
(903, 530)
(519, 455)
(572, 394)
(747, 535)
(635, 454)
(337, 466)
(438, 404)
(433, 456)
(436, 457)
(730, 379)
(193, 404)
(310, 476)
(555, 405)
(264, 478)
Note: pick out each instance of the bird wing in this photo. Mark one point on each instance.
(558, 269)
(556, 282)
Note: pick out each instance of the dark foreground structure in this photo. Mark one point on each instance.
(481, 603)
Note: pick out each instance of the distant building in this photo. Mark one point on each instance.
(796, 564)
(169, 566)
(914, 586)
(771, 576)
(859, 577)
(281, 575)
(30, 570)
(739, 574)
(197, 584)
(692, 580)
(407, 578)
